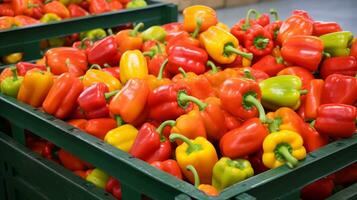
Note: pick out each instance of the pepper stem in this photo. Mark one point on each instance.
(183, 98)
(303, 92)
(159, 50)
(326, 54)
(136, 29)
(246, 25)
(198, 27)
(214, 68)
(110, 31)
(275, 14)
(248, 74)
(163, 125)
(110, 94)
(261, 42)
(162, 68)
(228, 49)
(95, 66)
(312, 123)
(119, 120)
(149, 53)
(191, 146)
(195, 174)
(291, 161)
(14, 73)
(182, 71)
(279, 60)
(274, 125)
(252, 100)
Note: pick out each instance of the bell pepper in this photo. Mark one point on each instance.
(93, 34)
(12, 58)
(155, 64)
(100, 126)
(34, 87)
(293, 26)
(313, 98)
(76, 11)
(136, 4)
(57, 8)
(206, 17)
(239, 29)
(78, 123)
(206, 188)
(170, 166)
(6, 10)
(198, 152)
(241, 98)
(274, 27)
(154, 33)
(152, 48)
(190, 58)
(337, 43)
(304, 51)
(258, 41)
(339, 89)
(304, 75)
(66, 59)
(283, 147)
(257, 162)
(104, 51)
(98, 6)
(281, 91)
(227, 172)
(182, 38)
(347, 175)
(114, 71)
(150, 145)
(346, 65)
(129, 39)
(312, 139)
(130, 101)
(49, 18)
(10, 86)
(7, 22)
(122, 137)
(336, 120)
(37, 8)
(239, 61)
(113, 186)
(154, 81)
(172, 29)
(70, 161)
(22, 7)
(318, 190)
(231, 122)
(353, 51)
(98, 178)
(221, 45)
(322, 28)
(23, 67)
(133, 65)
(83, 45)
(244, 140)
(284, 119)
(94, 76)
(269, 64)
(262, 19)
(62, 97)
(115, 5)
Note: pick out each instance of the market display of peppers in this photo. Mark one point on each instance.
(207, 104)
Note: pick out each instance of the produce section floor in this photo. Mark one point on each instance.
(341, 11)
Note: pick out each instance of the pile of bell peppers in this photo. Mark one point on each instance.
(202, 102)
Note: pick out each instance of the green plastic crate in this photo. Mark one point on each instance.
(27, 39)
(138, 178)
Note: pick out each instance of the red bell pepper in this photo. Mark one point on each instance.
(98, 6)
(318, 190)
(181, 38)
(257, 162)
(92, 101)
(302, 13)
(230, 121)
(269, 64)
(71, 162)
(172, 29)
(313, 98)
(23, 67)
(304, 74)
(274, 27)
(262, 19)
(239, 29)
(169, 166)
(83, 45)
(113, 186)
(77, 11)
(253, 74)
(190, 58)
(100, 127)
(163, 103)
(150, 145)
(258, 41)
(104, 51)
(38, 9)
(346, 65)
(57, 8)
(78, 123)
(303, 51)
(336, 120)
(22, 7)
(6, 10)
(312, 139)
(115, 5)
(322, 28)
(244, 140)
(339, 89)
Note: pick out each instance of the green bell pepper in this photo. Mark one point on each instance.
(93, 35)
(10, 86)
(98, 178)
(136, 4)
(227, 172)
(50, 17)
(154, 33)
(281, 91)
(337, 43)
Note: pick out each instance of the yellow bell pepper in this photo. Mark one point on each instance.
(93, 76)
(224, 26)
(12, 58)
(133, 64)
(283, 147)
(34, 87)
(122, 137)
(221, 45)
(205, 15)
(198, 152)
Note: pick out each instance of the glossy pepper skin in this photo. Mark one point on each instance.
(239, 29)
(284, 119)
(258, 41)
(195, 13)
(133, 65)
(281, 91)
(206, 188)
(337, 43)
(98, 178)
(227, 172)
(6, 10)
(304, 51)
(100, 126)
(76, 11)
(322, 28)
(103, 52)
(313, 98)
(312, 139)
(129, 39)
(10, 86)
(244, 140)
(154, 33)
(283, 147)
(98, 6)
(94, 76)
(304, 75)
(170, 166)
(269, 64)
(339, 89)
(273, 27)
(122, 137)
(199, 153)
(158, 81)
(57, 8)
(35, 87)
(336, 120)
(23, 67)
(345, 65)
(62, 97)
(224, 50)
(70, 161)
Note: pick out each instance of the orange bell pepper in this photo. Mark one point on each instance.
(129, 39)
(198, 18)
(154, 81)
(7, 72)
(57, 8)
(284, 119)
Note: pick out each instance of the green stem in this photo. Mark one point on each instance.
(106, 65)
(191, 146)
(274, 125)
(252, 100)
(32, 5)
(162, 68)
(110, 94)
(163, 125)
(261, 43)
(246, 25)
(182, 71)
(96, 66)
(195, 174)
(183, 98)
(291, 161)
(119, 120)
(149, 53)
(14, 73)
(136, 29)
(303, 92)
(312, 123)
(248, 74)
(159, 50)
(279, 60)
(110, 31)
(275, 14)
(326, 54)
(228, 49)
(198, 27)
(214, 68)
